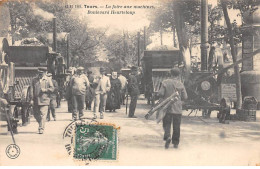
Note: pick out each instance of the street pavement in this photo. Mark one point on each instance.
(202, 142)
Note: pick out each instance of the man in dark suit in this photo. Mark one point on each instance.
(133, 91)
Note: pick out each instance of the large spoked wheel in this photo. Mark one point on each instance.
(13, 119)
(4, 69)
(26, 107)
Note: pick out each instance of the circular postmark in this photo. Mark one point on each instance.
(91, 140)
(12, 151)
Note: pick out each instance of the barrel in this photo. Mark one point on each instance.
(250, 85)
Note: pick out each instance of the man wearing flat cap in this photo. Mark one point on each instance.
(104, 88)
(79, 84)
(133, 91)
(53, 97)
(174, 113)
(41, 86)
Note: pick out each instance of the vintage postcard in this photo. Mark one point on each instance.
(129, 83)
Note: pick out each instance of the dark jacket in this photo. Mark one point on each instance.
(133, 87)
(168, 87)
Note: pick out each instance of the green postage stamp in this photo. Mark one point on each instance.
(97, 141)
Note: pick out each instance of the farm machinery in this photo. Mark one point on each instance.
(204, 88)
(18, 66)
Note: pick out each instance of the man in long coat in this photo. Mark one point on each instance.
(133, 90)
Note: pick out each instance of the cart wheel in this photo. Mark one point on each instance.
(26, 114)
(13, 113)
(30, 113)
(4, 60)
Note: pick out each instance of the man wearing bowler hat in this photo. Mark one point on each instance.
(133, 91)
(79, 84)
(41, 86)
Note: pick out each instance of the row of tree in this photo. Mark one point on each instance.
(34, 20)
(184, 17)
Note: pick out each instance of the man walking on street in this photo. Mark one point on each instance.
(40, 88)
(69, 91)
(79, 84)
(104, 88)
(133, 91)
(90, 91)
(53, 96)
(174, 112)
(123, 82)
(96, 95)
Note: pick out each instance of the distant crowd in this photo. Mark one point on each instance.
(84, 90)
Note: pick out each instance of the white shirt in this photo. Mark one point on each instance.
(123, 81)
(104, 84)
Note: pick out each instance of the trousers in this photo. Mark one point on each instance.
(103, 102)
(132, 105)
(96, 103)
(40, 113)
(174, 120)
(78, 105)
(52, 109)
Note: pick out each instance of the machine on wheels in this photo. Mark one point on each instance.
(156, 68)
(19, 65)
(203, 87)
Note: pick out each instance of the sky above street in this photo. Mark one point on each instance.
(120, 22)
(116, 22)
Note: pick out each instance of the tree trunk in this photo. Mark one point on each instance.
(233, 53)
(180, 25)
(174, 37)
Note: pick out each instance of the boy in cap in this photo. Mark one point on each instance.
(41, 86)
(53, 97)
(174, 113)
(79, 84)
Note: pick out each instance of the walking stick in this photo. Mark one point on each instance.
(126, 105)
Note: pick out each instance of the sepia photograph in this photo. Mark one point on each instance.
(130, 83)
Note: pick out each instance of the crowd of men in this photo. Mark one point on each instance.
(82, 91)
(106, 93)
